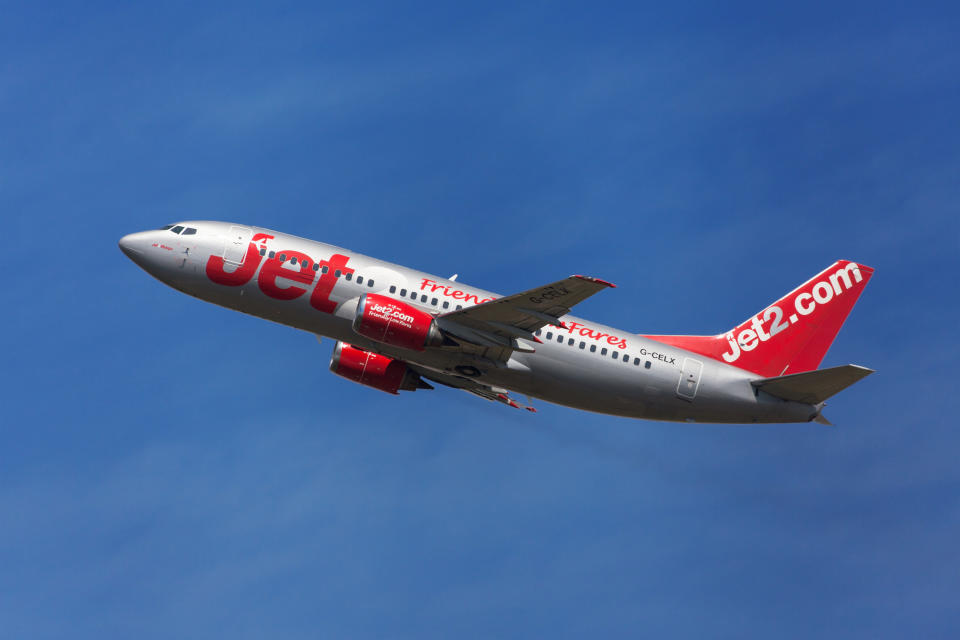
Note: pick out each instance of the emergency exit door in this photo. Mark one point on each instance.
(689, 378)
(235, 244)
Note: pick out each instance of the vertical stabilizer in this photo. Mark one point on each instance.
(791, 335)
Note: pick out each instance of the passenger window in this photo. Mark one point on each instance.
(263, 252)
(570, 342)
(626, 357)
(283, 257)
(324, 269)
(593, 348)
(272, 253)
(559, 338)
(434, 302)
(393, 288)
(636, 362)
(177, 229)
(614, 354)
(423, 298)
(583, 345)
(413, 295)
(537, 332)
(316, 266)
(459, 306)
(446, 304)
(348, 275)
(189, 231)
(304, 264)
(646, 365)
(359, 279)
(549, 335)
(370, 283)
(603, 351)
(336, 274)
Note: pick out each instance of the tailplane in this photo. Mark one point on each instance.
(793, 334)
(813, 387)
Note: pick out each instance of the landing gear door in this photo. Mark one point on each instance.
(235, 244)
(689, 379)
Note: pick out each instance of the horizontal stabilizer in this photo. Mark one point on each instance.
(813, 387)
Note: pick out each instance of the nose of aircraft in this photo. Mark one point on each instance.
(134, 245)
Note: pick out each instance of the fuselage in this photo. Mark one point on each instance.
(316, 287)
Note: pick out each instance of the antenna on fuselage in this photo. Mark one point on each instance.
(453, 277)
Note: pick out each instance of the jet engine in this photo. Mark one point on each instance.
(395, 323)
(374, 370)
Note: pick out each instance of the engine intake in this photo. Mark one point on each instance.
(395, 323)
(374, 370)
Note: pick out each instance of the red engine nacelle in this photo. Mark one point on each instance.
(374, 370)
(395, 323)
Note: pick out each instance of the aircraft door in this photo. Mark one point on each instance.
(689, 379)
(235, 244)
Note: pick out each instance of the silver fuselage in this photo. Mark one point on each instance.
(604, 370)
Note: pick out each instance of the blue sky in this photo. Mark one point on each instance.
(173, 469)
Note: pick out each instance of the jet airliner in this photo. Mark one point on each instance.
(398, 329)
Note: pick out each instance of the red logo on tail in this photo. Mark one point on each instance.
(793, 334)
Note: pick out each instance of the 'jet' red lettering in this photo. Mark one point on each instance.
(239, 276)
(273, 268)
(320, 298)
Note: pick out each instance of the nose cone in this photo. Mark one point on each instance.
(135, 246)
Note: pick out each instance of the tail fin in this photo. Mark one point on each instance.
(794, 333)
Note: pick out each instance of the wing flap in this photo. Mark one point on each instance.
(487, 392)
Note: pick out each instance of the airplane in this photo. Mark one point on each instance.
(398, 329)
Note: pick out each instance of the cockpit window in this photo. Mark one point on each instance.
(189, 231)
(165, 227)
(177, 229)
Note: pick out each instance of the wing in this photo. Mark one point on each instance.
(501, 323)
(488, 392)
